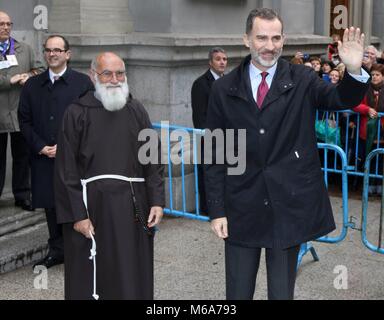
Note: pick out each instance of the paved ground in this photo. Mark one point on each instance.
(189, 265)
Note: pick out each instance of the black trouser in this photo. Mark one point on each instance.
(202, 197)
(241, 267)
(55, 241)
(21, 187)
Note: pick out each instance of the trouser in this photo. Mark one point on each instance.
(241, 267)
(21, 187)
(55, 241)
(202, 197)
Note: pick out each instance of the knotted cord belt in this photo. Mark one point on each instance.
(85, 200)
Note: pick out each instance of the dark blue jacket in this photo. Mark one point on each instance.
(41, 109)
(281, 200)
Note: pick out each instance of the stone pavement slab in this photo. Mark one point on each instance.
(189, 265)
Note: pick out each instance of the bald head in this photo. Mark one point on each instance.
(5, 26)
(4, 15)
(105, 59)
(108, 75)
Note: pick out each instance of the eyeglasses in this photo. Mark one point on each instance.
(54, 50)
(8, 24)
(108, 75)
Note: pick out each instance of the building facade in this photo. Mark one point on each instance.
(165, 43)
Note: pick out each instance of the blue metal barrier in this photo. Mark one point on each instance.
(342, 168)
(351, 142)
(186, 131)
(307, 247)
(367, 176)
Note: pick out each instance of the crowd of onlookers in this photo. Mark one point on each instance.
(370, 123)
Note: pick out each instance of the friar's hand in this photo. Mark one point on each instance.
(155, 216)
(351, 50)
(84, 227)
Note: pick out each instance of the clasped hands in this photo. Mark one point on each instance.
(50, 152)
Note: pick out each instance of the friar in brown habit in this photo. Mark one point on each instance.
(105, 196)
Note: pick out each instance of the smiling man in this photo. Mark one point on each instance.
(122, 200)
(280, 201)
(42, 104)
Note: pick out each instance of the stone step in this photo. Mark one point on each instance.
(23, 247)
(13, 218)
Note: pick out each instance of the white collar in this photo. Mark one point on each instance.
(215, 75)
(52, 75)
(254, 71)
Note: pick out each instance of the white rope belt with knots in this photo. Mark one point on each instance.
(93, 249)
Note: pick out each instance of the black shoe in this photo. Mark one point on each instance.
(49, 261)
(25, 205)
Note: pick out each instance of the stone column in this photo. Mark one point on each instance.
(367, 19)
(378, 21)
(90, 17)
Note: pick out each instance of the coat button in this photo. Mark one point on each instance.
(266, 202)
(51, 118)
(262, 131)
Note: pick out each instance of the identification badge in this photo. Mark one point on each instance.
(12, 60)
(4, 64)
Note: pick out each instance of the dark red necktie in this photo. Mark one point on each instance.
(262, 90)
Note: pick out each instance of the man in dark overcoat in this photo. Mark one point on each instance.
(42, 105)
(280, 201)
(200, 92)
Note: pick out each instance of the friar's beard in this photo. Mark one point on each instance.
(113, 97)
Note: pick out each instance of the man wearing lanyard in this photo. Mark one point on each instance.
(17, 64)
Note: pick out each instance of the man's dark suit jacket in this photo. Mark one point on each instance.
(41, 109)
(201, 90)
(281, 200)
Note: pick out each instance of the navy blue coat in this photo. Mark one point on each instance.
(41, 109)
(281, 200)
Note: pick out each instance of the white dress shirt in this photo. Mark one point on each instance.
(52, 75)
(215, 75)
(256, 78)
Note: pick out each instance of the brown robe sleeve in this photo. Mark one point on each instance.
(153, 173)
(68, 190)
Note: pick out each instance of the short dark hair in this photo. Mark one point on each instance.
(315, 59)
(215, 50)
(66, 43)
(262, 13)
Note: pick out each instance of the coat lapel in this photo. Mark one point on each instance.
(281, 83)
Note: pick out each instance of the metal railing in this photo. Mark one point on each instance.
(379, 248)
(183, 134)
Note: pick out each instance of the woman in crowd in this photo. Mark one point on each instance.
(369, 109)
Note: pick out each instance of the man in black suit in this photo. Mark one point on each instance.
(281, 200)
(201, 88)
(200, 92)
(42, 104)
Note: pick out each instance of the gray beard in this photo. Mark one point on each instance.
(113, 99)
(266, 64)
